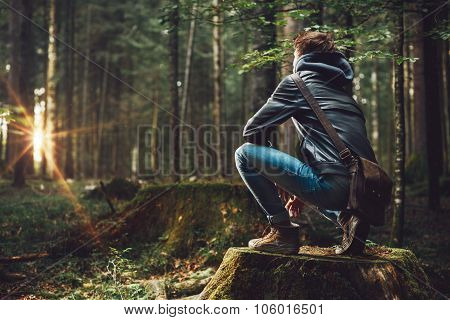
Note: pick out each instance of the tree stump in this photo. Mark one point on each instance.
(383, 273)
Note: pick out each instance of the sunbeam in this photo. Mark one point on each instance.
(31, 130)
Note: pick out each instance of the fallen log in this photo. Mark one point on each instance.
(23, 258)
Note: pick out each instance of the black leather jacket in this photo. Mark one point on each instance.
(325, 74)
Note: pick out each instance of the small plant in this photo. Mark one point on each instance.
(115, 281)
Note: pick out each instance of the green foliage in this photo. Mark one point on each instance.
(378, 54)
(257, 59)
(367, 39)
(300, 14)
(119, 275)
(114, 277)
(442, 32)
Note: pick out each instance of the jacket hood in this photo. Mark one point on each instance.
(333, 66)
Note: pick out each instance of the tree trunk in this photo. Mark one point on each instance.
(154, 137)
(1, 139)
(173, 76)
(51, 91)
(263, 80)
(244, 83)
(188, 63)
(432, 76)
(186, 82)
(100, 122)
(375, 106)
(446, 110)
(28, 77)
(443, 93)
(399, 164)
(286, 130)
(390, 137)
(120, 142)
(69, 67)
(83, 138)
(446, 69)
(217, 80)
(24, 94)
(14, 139)
(420, 135)
(290, 30)
(408, 103)
(317, 17)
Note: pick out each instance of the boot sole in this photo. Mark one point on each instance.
(275, 249)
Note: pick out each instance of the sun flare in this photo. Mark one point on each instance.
(38, 142)
(38, 131)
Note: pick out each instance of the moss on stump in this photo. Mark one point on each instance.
(384, 273)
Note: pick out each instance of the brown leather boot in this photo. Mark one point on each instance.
(355, 232)
(280, 239)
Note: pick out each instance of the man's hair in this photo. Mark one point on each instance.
(313, 41)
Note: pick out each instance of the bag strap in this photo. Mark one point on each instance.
(344, 152)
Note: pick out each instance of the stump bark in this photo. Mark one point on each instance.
(384, 273)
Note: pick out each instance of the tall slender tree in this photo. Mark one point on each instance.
(290, 30)
(174, 20)
(51, 90)
(445, 102)
(419, 148)
(399, 164)
(154, 136)
(13, 138)
(443, 89)
(101, 120)
(374, 111)
(69, 83)
(432, 73)
(244, 84)
(83, 137)
(188, 62)
(217, 78)
(406, 86)
(263, 80)
(24, 93)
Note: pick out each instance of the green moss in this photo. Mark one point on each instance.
(247, 274)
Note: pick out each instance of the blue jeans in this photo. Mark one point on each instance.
(262, 167)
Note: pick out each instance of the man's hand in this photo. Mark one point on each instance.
(294, 206)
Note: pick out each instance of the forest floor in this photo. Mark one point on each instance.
(36, 218)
